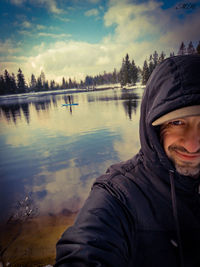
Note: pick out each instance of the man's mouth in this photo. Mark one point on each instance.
(187, 157)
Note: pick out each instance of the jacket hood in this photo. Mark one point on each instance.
(175, 83)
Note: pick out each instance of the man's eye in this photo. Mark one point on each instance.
(176, 123)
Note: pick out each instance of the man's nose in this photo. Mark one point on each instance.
(192, 141)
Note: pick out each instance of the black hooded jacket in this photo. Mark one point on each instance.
(142, 213)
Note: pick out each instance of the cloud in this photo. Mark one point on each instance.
(26, 24)
(132, 20)
(8, 47)
(72, 59)
(76, 190)
(139, 29)
(92, 12)
(40, 27)
(25, 32)
(81, 130)
(62, 19)
(29, 29)
(150, 26)
(17, 2)
(51, 5)
(93, 1)
(41, 47)
(103, 61)
(54, 35)
(183, 30)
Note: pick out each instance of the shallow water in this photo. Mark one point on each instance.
(51, 154)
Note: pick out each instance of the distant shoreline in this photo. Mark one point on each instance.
(6, 99)
(56, 92)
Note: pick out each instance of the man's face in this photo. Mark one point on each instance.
(181, 142)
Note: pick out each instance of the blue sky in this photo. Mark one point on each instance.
(74, 38)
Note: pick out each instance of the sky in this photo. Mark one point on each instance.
(74, 38)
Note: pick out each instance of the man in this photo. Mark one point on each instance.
(146, 212)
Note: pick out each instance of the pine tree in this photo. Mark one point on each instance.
(46, 85)
(172, 54)
(151, 65)
(7, 80)
(10, 86)
(81, 84)
(114, 76)
(155, 58)
(122, 73)
(145, 73)
(125, 71)
(33, 84)
(63, 86)
(42, 77)
(71, 84)
(198, 48)
(161, 57)
(39, 84)
(128, 71)
(52, 85)
(88, 81)
(182, 49)
(2, 85)
(21, 85)
(139, 73)
(134, 73)
(66, 85)
(191, 49)
(13, 84)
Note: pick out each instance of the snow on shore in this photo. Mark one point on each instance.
(23, 96)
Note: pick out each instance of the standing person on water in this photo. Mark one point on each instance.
(145, 212)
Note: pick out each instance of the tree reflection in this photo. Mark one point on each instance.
(15, 108)
(11, 112)
(69, 99)
(5, 112)
(97, 98)
(131, 103)
(54, 101)
(43, 105)
(26, 112)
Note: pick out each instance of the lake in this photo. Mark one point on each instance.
(50, 156)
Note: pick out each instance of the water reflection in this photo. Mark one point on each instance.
(26, 112)
(54, 153)
(69, 100)
(42, 105)
(13, 111)
(54, 147)
(131, 103)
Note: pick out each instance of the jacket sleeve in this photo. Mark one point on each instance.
(102, 234)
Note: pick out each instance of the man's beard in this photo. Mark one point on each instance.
(188, 170)
(183, 167)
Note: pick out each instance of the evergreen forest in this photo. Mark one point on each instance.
(128, 74)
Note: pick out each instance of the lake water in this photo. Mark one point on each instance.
(49, 157)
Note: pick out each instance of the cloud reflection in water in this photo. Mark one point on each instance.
(56, 153)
